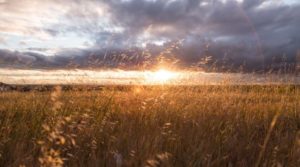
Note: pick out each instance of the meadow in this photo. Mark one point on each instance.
(152, 126)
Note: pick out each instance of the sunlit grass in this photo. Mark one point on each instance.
(151, 125)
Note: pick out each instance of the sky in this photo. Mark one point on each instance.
(208, 35)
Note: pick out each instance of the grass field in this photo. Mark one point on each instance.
(152, 126)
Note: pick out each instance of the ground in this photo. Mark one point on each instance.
(151, 126)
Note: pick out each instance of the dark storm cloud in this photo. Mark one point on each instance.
(212, 19)
(133, 58)
(252, 33)
(213, 34)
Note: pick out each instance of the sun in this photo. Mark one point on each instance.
(163, 76)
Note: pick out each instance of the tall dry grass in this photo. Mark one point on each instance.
(152, 126)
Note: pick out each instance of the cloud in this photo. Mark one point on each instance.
(249, 33)
(73, 58)
(2, 41)
(216, 19)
